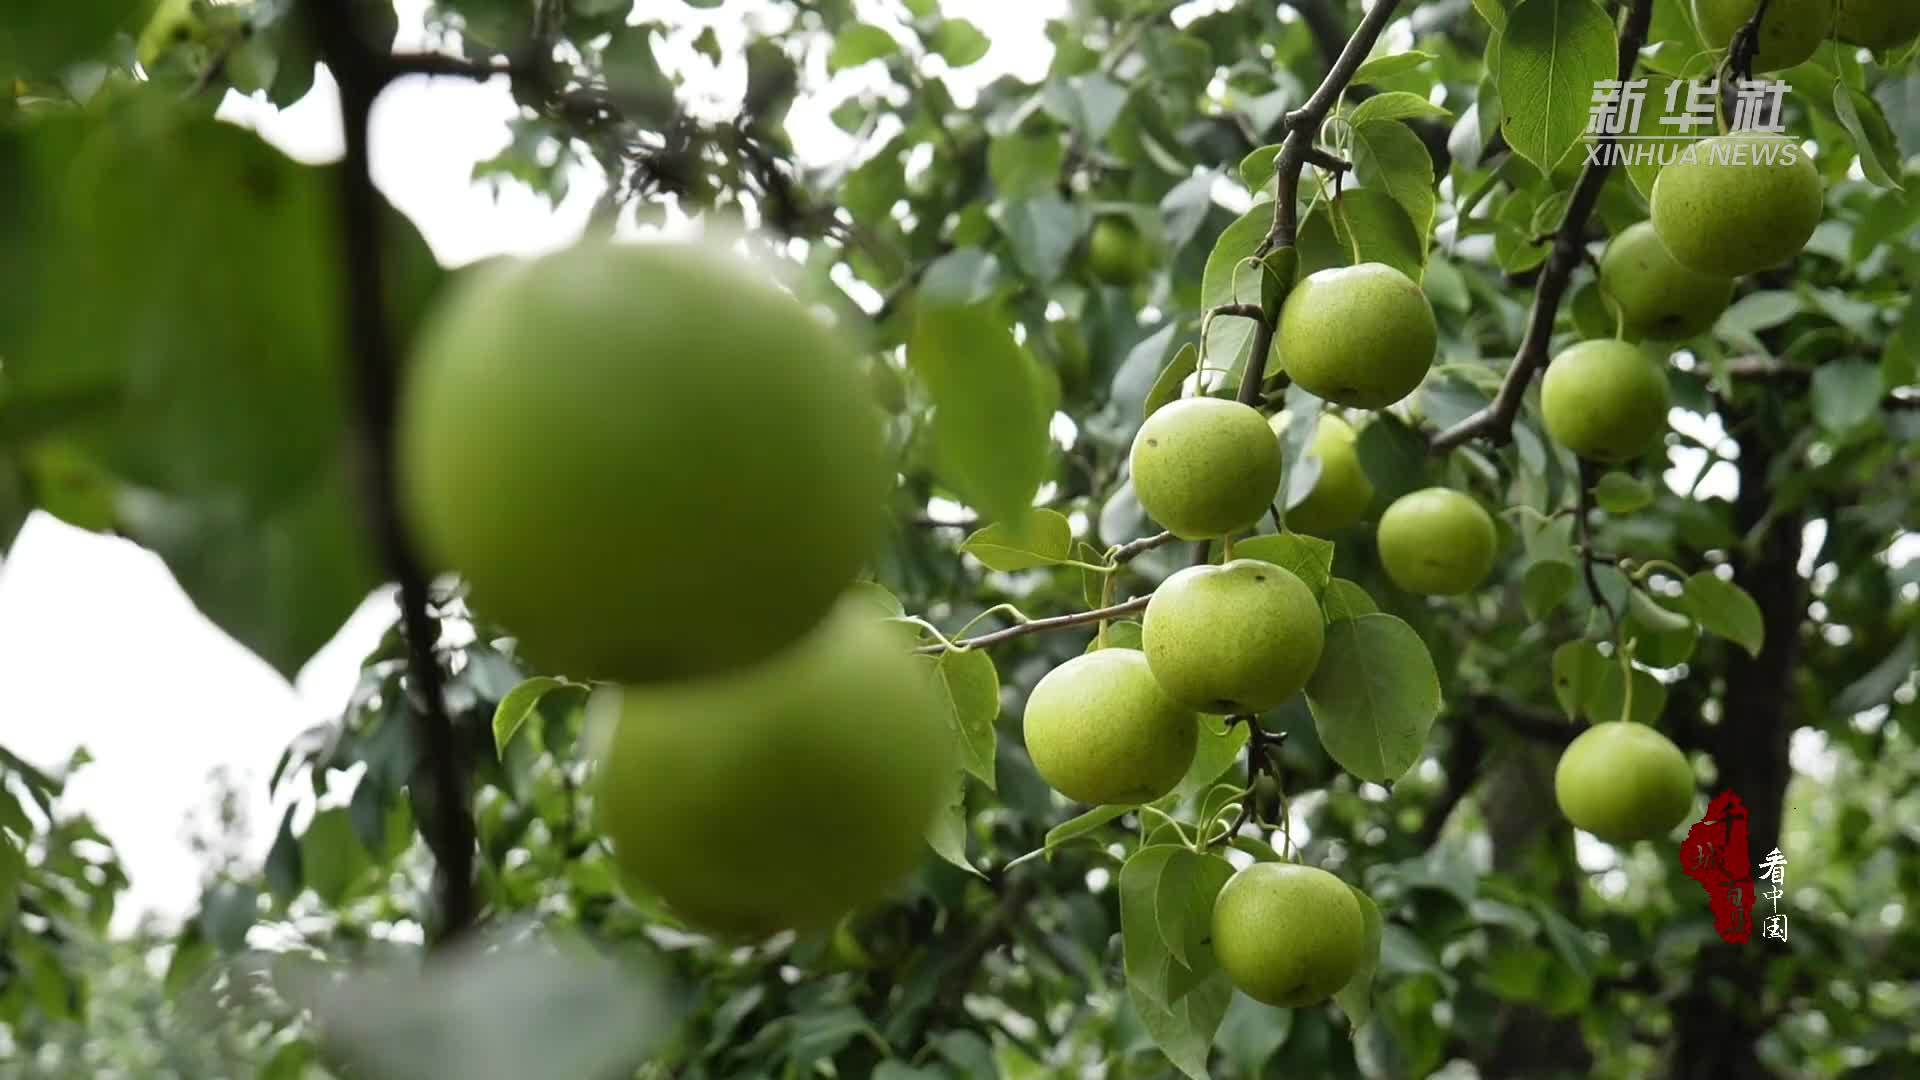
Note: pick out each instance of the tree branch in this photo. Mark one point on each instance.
(1583, 512)
(447, 825)
(1303, 125)
(1495, 421)
(1132, 550)
(1058, 622)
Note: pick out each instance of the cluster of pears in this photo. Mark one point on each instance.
(1793, 29)
(599, 464)
(1731, 205)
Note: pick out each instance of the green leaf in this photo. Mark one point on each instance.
(1578, 667)
(960, 277)
(1619, 494)
(205, 318)
(1232, 277)
(227, 911)
(858, 43)
(331, 858)
(970, 685)
(1362, 225)
(1044, 538)
(1218, 748)
(1846, 394)
(947, 832)
(1389, 65)
(1344, 599)
(41, 39)
(1873, 140)
(1396, 105)
(1256, 169)
(1086, 824)
(875, 599)
(1609, 703)
(1308, 557)
(1374, 696)
(1121, 634)
(1086, 105)
(1356, 998)
(1724, 609)
(1042, 231)
(1546, 586)
(1552, 52)
(1023, 166)
(1389, 157)
(1167, 386)
(990, 427)
(959, 42)
(1183, 1029)
(282, 869)
(515, 707)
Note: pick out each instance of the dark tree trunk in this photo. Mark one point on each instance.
(1719, 1019)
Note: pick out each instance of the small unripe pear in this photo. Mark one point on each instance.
(1437, 542)
(1342, 492)
(1734, 204)
(1361, 336)
(1238, 638)
(1623, 782)
(1604, 400)
(1203, 467)
(1877, 24)
(1100, 730)
(1659, 297)
(783, 794)
(1288, 935)
(1789, 34)
(1116, 252)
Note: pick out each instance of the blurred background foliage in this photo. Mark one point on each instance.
(172, 373)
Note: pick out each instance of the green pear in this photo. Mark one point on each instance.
(1100, 730)
(1203, 467)
(1239, 638)
(1734, 204)
(1604, 400)
(1361, 336)
(1437, 542)
(1288, 935)
(784, 794)
(1342, 492)
(1623, 782)
(1789, 34)
(1117, 253)
(1658, 297)
(597, 440)
(1879, 25)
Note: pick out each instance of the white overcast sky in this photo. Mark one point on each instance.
(100, 648)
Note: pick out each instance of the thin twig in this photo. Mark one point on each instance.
(1132, 550)
(1058, 622)
(447, 825)
(1582, 513)
(1303, 125)
(1495, 421)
